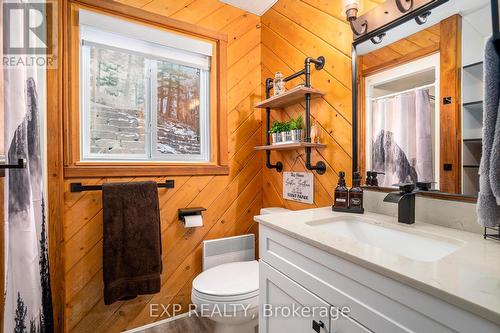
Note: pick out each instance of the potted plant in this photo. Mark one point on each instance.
(275, 131)
(296, 129)
(285, 132)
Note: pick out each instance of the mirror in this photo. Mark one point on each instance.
(419, 97)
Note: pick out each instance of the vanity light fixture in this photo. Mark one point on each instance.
(374, 24)
(421, 19)
(404, 5)
(351, 8)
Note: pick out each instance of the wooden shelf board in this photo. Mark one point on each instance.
(290, 146)
(290, 97)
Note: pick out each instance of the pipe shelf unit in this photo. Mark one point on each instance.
(291, 97)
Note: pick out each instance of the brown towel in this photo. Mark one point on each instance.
(131, 240)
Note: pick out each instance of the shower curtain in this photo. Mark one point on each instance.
(402, 138)
(27, 294)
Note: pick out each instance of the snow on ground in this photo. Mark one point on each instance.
(177, 138)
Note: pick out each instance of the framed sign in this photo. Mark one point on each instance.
(298, 186)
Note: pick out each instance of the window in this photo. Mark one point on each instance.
(145, 93)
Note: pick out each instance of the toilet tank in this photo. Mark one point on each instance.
(273, 210)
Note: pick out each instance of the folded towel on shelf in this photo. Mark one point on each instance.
(131, 240)
(489, 178)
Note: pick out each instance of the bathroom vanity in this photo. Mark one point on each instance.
(385, 276)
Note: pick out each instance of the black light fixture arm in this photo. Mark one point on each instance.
(319, 63)
(373, 24)
(404, 5)
(422, 19)
(359, 27)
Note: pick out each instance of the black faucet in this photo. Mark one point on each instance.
(405, 198)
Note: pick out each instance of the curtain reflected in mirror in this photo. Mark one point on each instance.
(402, 138)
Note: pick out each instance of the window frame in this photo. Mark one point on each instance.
(75, 166)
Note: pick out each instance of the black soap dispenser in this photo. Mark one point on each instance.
(356, 195)
(341, 196)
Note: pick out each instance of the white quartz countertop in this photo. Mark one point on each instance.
(468, 278)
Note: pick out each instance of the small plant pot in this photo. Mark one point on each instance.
(276, 137)
(283, 136)
(296, 135)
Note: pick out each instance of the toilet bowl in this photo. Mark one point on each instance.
(229, 293)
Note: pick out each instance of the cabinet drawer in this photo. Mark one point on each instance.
(379, 303)
(280, 297)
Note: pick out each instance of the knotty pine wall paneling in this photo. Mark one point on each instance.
(291, 31)
(231, 201)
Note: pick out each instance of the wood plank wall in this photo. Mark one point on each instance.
(404, 50)
(232, 200)
(291, 31)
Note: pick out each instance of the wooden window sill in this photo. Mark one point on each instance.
(141, 170)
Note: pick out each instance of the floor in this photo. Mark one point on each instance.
(187, 324)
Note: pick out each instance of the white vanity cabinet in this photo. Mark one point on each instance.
(293, 272)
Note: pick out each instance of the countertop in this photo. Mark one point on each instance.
(468, 278)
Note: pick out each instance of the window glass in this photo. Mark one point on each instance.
(116, 101)
(178, 109)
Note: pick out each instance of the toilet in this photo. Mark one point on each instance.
(229, 293)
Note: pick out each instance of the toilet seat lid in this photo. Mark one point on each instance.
(236, 278)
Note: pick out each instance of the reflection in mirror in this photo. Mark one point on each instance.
(403, 145)
(420, 100)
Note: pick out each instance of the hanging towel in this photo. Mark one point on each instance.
(131, 240)
(489, 177)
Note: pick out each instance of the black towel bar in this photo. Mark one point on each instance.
(21, 164)
(78, 187)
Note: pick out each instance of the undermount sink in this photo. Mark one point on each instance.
(414, 246)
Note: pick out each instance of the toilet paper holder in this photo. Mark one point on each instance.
(183, 212)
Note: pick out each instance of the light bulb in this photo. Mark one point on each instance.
(350, 4)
